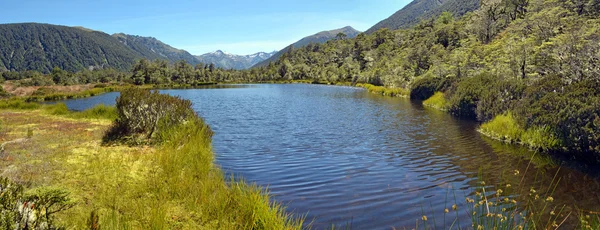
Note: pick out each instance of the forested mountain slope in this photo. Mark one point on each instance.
(152, 48)
(321, 37)
(41, 47)
(419, 10)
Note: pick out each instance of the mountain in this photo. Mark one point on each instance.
(32, 46)
(152, 47)
(320, 37)
(232, 61)
(418, 10)
(41, 47)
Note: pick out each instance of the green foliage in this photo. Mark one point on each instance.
(385, 91)
(424, 10)
(143, 115)
(506, 128)
(100, 111)
(572, 110)
(18, 104)
(425, 87)
(57, 109)
(438, 101)
(35, 209)
(465, 96)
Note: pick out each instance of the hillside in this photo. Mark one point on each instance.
(41, 47)
(31, 46)
(417, 10)
(152, 48)
(232, 61)
(319, 38)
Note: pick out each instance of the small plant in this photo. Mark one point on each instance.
(31, 210)
(29, 133)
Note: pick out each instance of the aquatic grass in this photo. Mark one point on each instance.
(100, 111)
(385, 91)
(437, 101)
(505, 128)
(499, 207)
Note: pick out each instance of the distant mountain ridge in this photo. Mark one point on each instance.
(157, 48)
(418, 10)
(34, 46)
(41, 47)
(231, 61)
(320, 37)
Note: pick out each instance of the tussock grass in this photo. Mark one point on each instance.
(100, 111)
(505, 128)
(385, 91)
(437, 101)
(18, 104)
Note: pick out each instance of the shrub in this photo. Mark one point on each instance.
(426, 87)
(58, 109)
(143, 114)
(42, 91)
(31, 210)
(466, 94)
(572, 111)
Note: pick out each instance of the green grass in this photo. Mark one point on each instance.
(18, 104)
(437, 101)
(385, 91)
(100, 111)
(52, 96)
(505, 128)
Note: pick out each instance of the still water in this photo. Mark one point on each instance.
(343, 156)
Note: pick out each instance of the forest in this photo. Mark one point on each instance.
(529, 70)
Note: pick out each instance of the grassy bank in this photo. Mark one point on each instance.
(437, 101)
(505, 128)
(174, 185)
(385, 91)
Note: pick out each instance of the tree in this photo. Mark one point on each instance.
(341, 36)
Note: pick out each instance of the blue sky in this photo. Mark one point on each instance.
(234, 26)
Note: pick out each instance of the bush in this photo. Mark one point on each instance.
(571, 110)
(499, 98)
(425, 87)
(466, 94)
(143, 114)
(31, 210)
(58, 109)
(43, 91)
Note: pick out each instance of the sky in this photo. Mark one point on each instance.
(234, 26)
